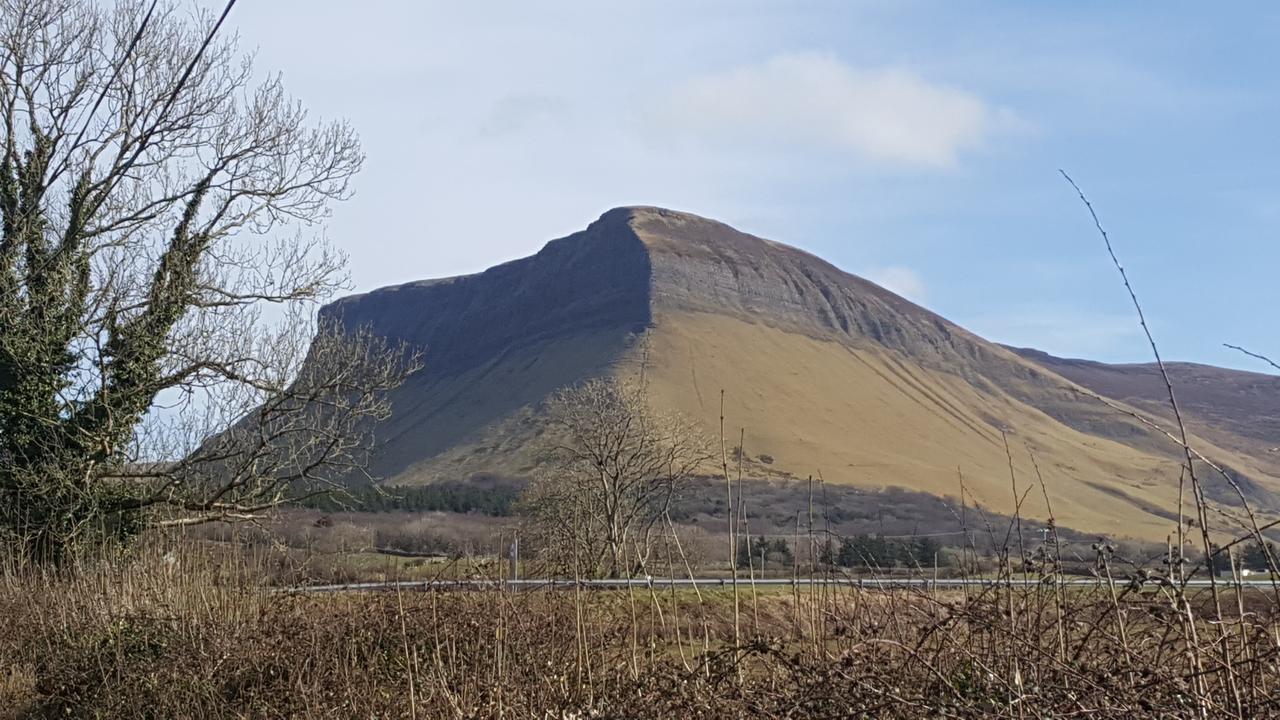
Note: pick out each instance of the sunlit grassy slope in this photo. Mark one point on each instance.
(866, 417)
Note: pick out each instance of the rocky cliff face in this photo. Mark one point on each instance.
(634, 262)
(705, 266)
(593, 280)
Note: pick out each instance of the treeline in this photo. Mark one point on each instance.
(881, 552)
(458, 497)
(1251, 556)
(1255, 556)
(859, 551)
(761, 553)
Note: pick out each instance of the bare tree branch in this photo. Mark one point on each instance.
(161, 263)
(614, 467)
(1253, 355)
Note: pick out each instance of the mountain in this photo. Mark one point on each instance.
(1234, 409)
(828, 373)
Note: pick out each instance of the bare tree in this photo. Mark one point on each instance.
(616, 465)
(161, 260)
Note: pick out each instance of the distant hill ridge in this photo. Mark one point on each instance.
(1235, 409)
(827, 372)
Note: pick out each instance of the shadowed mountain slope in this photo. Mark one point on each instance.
(828, 373)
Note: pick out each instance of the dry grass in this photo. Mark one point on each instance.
(17, 691)
(881, 420)
(201, 636)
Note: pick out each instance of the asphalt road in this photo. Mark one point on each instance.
(713, 583)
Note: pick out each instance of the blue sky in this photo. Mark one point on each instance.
(914, 143)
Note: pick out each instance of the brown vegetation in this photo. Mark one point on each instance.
(167, 633)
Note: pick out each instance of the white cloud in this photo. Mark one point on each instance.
(901, 280)
(885, 115)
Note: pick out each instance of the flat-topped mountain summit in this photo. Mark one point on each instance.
(827, 372)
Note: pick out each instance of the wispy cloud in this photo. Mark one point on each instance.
(901, 280)
(810, 99)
